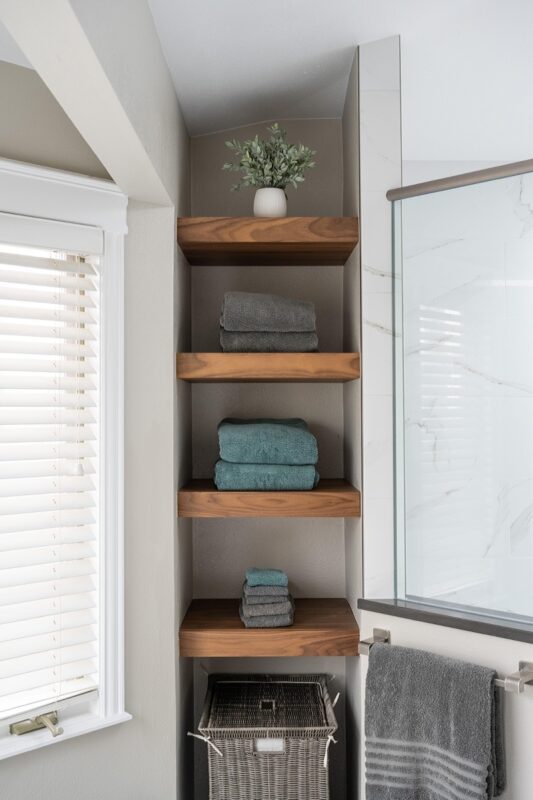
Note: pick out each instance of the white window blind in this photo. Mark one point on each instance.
(49, 477)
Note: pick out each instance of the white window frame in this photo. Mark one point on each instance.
(35, 198)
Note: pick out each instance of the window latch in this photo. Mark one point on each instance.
(48, 720)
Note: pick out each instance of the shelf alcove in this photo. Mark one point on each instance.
(313, 535)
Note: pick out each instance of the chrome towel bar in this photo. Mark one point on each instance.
(512, 683)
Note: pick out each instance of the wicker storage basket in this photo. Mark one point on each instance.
(272, 734)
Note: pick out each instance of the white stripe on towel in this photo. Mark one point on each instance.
(423, 764)
(398, 744)
(414, 777)
(421, 758)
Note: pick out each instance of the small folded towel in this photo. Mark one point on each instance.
(254, 311)
(265, 599)
(267, 441)
(264, 477)
(268, 342)
(274, 621)
(259, 576)
(433, 728)
(274, 593)
(266, 609)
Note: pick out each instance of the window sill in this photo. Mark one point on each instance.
(466, 621)
(77, 726)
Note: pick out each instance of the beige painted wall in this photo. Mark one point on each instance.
(321, 194)
(34, 128)
(141, 759)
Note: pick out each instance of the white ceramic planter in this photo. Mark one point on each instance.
(269, 202)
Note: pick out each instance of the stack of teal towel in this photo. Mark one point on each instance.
(266, 455)
(252, 322)
(266, 601)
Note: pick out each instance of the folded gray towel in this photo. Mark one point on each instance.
(263, 591)
(269, 599)
(267, 609)
(268, 342)
(252, 311)
(271, 621)
(433, 728)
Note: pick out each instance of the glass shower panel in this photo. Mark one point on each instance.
(464, 389)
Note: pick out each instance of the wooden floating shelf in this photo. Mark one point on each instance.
(261, 241)
(331, 498)
(322, 627)
(268, 367)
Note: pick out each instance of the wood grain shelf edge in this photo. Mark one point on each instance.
(322, 627)
(268, 367)
(331, 498)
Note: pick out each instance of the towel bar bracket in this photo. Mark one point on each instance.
(517, 682)
(379, 635)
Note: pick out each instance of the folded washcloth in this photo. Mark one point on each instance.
(267, 441)
(267, 577)
(276, 621)
(274, 593)
(266, 609)
(252, 311)
(264, 477)
(433, 728)
(265, 599)
(268, 342)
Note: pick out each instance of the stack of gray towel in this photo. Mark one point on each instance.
(266, 323)
(266, 601)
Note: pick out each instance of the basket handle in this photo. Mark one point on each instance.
(336, 700)
(329, 741)
(207, 740)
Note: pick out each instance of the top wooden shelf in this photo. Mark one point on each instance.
(262, 241)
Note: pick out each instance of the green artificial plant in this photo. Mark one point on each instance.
(270, 163)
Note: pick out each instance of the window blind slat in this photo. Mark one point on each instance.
(49, 398)
(34, 610)
(64, 331)
(56, 536)
(21, 634)
(55, 314)
(47, 263)
(24, 702)
(58, 348)
(57, 364)
(56, 654)
(20, 487)
(50, 519)
(46, 399)
(23, 434)
(40, 278)
(55, 297)
(41, 591)
(46, 467)
(31, 452)
(50, 554)
(47, 675)
(26, 382)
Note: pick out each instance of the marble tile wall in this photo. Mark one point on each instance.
(468, 394)
(380, 170)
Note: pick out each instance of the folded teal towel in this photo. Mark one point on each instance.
(264, 477)
(256, 576)
(267, 441)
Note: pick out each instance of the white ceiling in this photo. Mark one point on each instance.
(467, 66)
